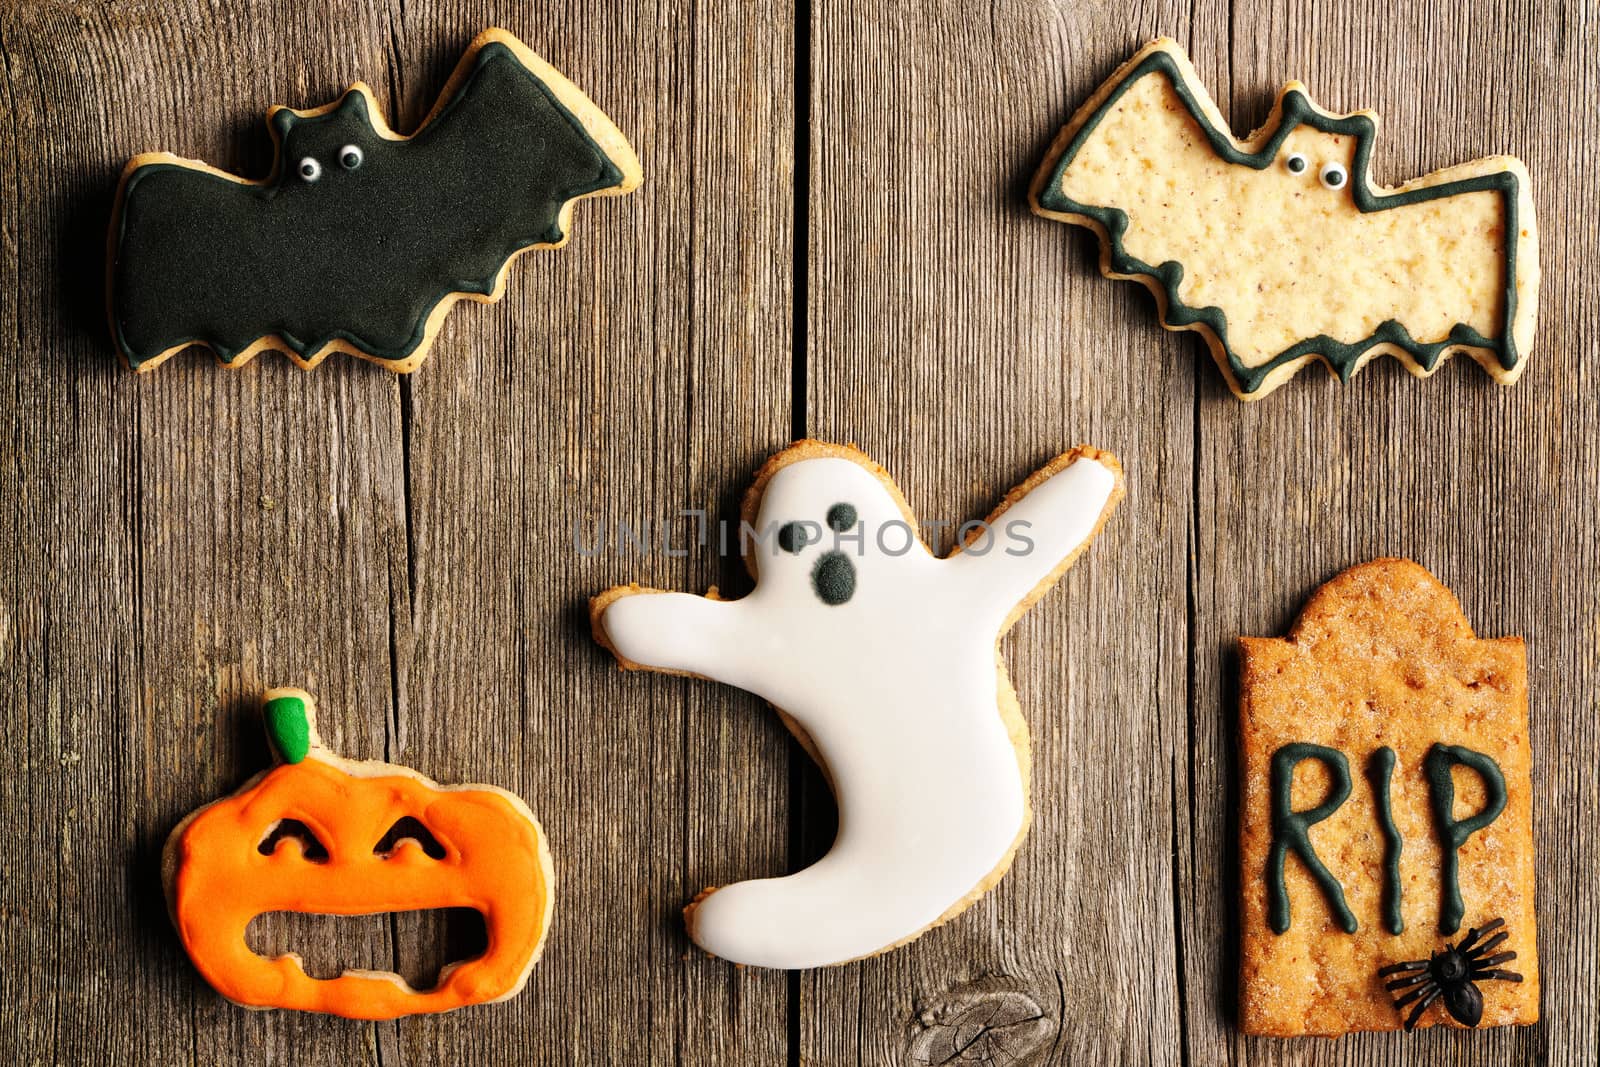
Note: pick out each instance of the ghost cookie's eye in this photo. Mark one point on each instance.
(1333, 176)
(350, 157)
(310, 170)
(1296, 163)
(794, 536)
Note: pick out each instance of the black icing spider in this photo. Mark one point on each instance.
(1451, 973)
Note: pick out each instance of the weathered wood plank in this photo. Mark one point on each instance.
(1480, 484)
(200, 534)
(176, 542)
(963, 342)
(643, 372)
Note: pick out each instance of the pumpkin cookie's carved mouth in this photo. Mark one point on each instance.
(420, 947)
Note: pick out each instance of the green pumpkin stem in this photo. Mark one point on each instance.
(288, 727)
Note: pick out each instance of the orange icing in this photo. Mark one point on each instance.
(492, 864)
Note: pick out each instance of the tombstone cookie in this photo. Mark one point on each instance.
(883, 660)
(1278, 248)
(360, 240)
(1386, 823)
(329, 836)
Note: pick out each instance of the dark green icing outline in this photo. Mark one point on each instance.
(1296, 110)
(494, 51)
(1381, 767)
(1289, 831)
(1440, 761)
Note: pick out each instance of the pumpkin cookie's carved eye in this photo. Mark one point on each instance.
(409, 829)
(283, 830)
(1333, 176)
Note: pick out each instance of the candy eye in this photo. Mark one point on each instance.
(350, 157)
(1296, 163)
(1333, 175)
(310, 169)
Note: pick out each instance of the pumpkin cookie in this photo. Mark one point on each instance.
(1387, 836)
(229, 862)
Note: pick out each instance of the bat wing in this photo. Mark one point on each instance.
(184, 244)
(1272, 269)
(368, 254)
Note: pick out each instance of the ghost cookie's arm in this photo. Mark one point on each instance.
(675, 633)
(1039, 530)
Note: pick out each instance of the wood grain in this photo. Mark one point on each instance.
(1001, 352)
(173, 543)
(403, 548)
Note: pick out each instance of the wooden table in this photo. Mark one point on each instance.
(831, 240)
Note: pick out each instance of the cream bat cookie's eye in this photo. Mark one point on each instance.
(350, 157)
(1295, 163)
(1333, 176)
(309, 169)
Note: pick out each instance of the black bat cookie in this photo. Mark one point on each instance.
(361, 240)
(1278, 248)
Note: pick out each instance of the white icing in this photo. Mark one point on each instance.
(897, 688)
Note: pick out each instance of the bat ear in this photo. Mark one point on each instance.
(281, 121)
(354, 105)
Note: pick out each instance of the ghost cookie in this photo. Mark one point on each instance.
(883, 659)
(1278, 248)
(361, 240)
(1387, 835)
(333, 836)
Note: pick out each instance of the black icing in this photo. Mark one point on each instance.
(834, 578)
(361, 254)
(792, 537)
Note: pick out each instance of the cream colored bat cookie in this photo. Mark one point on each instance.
(1278, 248)
(883, 659)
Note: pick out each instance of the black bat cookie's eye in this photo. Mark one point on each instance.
(1296, 163)
(350, 157)
(1333, 176)
(310, 169)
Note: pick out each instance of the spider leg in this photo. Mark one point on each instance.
(1504, 976)
(1422, 1006)
(1488, 946)
(1427, 991)
(1401, 968)
(1406, 982)
(1477, 932)
(1494, 961)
